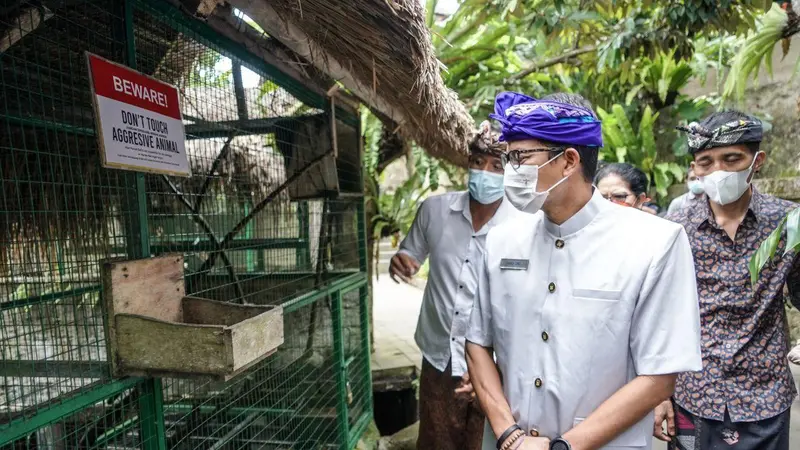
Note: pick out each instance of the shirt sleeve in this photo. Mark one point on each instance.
(675, 205)
(480, 320)
(415, 244)
(665, 332)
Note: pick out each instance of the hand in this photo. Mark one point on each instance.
(532, 443)
(663, 412)
(402, 266)
(465, 387)
(794, 355)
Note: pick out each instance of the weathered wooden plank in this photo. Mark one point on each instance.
(149, 287)
(149, 347)
(156, 330)
(255, 338)
(203, 311)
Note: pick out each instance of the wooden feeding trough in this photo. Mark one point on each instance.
(153, 329)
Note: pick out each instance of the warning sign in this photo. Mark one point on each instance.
(138, 120)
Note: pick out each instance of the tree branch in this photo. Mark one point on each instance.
(214, 166)
(207, 228)
(553, 61)
(261, 205)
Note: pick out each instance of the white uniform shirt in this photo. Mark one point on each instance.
(608, 295)
(680, 202)
(443, 229)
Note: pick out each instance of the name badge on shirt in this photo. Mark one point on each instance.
(513, 264)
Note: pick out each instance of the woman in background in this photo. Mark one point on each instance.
(623, 184)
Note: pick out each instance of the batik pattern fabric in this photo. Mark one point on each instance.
(740, 131)
(696, 433)
(446, 421)
(744, 335)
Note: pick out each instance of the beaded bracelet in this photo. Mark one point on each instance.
(509, 431)
(514, 438)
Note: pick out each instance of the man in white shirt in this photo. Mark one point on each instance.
(590, 308)
(451, 229)
(695, 190)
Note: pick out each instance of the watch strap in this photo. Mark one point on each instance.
(560, 443)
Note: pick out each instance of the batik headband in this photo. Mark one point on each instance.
(486, 141)
(523, 117)
(741, 131)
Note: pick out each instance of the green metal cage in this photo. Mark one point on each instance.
(251, 222)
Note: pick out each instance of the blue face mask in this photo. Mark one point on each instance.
(485, 187)
(696, 187)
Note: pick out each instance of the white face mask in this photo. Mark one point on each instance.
(521, 183)
(724, 187)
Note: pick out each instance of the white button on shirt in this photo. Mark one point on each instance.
(443, 229)
(607, 296)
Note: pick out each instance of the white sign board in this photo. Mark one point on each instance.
(139, 120)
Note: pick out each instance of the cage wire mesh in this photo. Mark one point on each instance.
(257, 223)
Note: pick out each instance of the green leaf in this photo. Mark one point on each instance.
(430, 12)
(622, 153)
(793, 231)
(632, 94)
(765, 252)
(646, 133)
(624, 124)
(662, 180)
(677, 171)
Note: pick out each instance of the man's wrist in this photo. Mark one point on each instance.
(507, 434)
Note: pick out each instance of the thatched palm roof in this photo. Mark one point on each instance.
(379, 50)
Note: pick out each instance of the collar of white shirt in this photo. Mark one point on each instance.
(578, 221)
(460, 203)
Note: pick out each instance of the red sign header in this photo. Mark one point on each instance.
(128, 86)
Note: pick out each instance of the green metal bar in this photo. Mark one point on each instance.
(340, 370)
(296, 303)
(29, 424)
(358, 429)
(303, 254)
(206, 130)
(110, 435)
(30, 301)
(287, 276)
(248, 234)
(362, 237)
(48, 124)
(235, 411)
(364, 314)
(19, 368)
(151, 414)
(151, 411)
(236, 244)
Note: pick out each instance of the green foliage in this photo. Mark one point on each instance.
(207, 73)
(757, 50)
(767, 250)
(624, 142)
(640, 54)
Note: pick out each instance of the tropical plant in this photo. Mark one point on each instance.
(624, 142)
(757, 50)
(637, 53)
(767, 250)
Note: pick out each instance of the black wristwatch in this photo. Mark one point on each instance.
(560, 443)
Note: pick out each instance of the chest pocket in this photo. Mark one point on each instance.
(593, 308)
(588, 324)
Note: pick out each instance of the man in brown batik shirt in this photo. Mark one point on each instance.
(742, 397)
